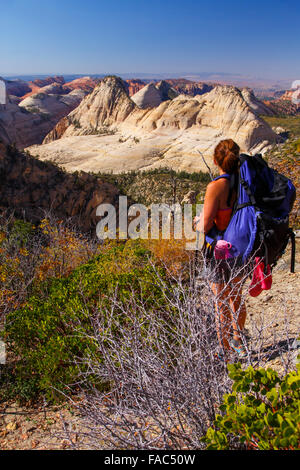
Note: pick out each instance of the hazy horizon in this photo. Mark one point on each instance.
(204, 76)
(259, 41)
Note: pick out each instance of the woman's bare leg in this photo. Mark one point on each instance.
(238, 308)
(230, 311)
(223, 313)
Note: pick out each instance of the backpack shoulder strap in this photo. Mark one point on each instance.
(225, 175)
(232, 187)
(233, 183)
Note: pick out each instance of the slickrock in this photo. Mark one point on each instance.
(257, 106)
(147, 97)
(109, 132)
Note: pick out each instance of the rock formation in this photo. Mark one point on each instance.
(52, 105)
(48, 80)
(257, 106)
(26, 122)
(17, 87)
(166, 91)
(147, 97)
(36, 85)
(187, 87)
(109, 132)
(86, 84)
(32, 188)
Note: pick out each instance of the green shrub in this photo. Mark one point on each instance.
(20, 232)
(262, 412)
(53, 326)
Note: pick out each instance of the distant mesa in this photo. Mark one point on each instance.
(57, 85)
(188, 87)
(47, 81)
(286, 102)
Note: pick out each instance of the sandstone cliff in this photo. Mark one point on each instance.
(167, 92)
(109, 132)
(257, 106)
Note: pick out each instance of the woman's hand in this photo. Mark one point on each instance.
(198, 223)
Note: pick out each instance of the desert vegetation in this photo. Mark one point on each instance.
(161, 185)
(285, 157)
(124, 333)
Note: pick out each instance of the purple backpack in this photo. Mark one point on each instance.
(259, 225)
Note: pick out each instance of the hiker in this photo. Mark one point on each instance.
(218, 205)
(246, 225)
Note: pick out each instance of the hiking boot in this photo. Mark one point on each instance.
(238, 348)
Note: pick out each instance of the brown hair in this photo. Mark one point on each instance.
(226, 155)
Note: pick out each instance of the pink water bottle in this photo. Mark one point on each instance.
(222, 249)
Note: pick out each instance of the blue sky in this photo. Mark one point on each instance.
(257, 38)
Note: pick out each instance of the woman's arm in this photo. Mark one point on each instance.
(210, 208)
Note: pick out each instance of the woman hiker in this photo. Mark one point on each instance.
(226, 286)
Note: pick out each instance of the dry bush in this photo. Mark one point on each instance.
(172, 254)
(31, 254)
(66, 249)
(165, 379)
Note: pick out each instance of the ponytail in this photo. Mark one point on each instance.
(226, 156)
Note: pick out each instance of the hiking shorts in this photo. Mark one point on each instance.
(222, 271)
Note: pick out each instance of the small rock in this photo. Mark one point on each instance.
(12, 426)
(34, 443)
(267, 298)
